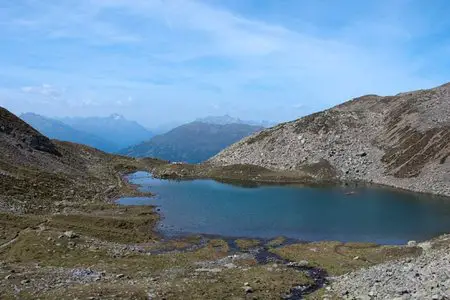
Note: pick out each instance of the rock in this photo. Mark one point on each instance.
(246, 284)
(356, 258)
(42, 227)
(421, 277)
(70, 234)
(298, 264)
(214, 270)
(230, 266)
(119, 276)
(412, 244)
(248, 289)
(425, 246)
(25, 281)
(8, 276)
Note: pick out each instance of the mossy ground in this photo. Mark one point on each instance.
(276, 242)
(340, 258)
(43, 255)
(120, 242)
(245, 244)
(128, 259)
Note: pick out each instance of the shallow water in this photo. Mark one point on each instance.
(370, 214)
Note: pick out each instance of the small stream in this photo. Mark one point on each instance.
(347, 214)
(317, 275)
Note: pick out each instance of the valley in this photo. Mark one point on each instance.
(233, 150)
(64, 236)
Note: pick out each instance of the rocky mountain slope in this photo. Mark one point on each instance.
(401, 141)
(37, 173)
(56, 129)
(62, 238)
(193, 142)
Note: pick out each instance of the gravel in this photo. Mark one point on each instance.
(424, 277)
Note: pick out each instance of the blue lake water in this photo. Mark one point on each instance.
(370, 214)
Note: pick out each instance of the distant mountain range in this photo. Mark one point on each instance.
(226, 119)
(109, 134)
(114, 128)
(193, 142)
(58, 130)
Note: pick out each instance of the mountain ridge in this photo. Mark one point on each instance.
(37, 173)
(401, 141)
(192, 142)
(56, 129)
(114, 128)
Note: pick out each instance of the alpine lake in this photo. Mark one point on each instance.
(328, 213)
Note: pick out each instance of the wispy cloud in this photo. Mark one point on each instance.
(125, 102)
(187, 54)
(45, 90)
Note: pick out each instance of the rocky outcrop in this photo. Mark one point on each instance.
(424, 277)
(23, 135)
(401, 141)
(38, 174)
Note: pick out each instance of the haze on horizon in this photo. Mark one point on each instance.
(162, 61)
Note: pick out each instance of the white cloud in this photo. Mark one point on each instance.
(124, 102)
(87, 102)
(45, 90)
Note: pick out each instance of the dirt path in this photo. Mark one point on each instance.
(16, 236)
(4, 245)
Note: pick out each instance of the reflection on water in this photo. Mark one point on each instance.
(364, 214)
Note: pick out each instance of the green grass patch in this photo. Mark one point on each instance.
(339, 258)
(118, 224)
(245, 244)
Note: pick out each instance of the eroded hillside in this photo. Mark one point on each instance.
(39, 174)
(402, 141)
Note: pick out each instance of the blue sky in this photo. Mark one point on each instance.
(158, 61)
